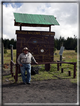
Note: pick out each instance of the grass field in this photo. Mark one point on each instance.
(68, 56)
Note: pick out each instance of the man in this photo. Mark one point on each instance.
(24, 60)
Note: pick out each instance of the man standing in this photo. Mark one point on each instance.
(24, 60)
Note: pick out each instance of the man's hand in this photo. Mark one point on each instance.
(36, 62)
(21, 65)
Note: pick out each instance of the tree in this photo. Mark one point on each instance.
(7, 43)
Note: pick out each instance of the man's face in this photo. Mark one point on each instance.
(25, 51)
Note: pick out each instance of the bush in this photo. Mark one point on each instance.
(55, 49)
(5, 51)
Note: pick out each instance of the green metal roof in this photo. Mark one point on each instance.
(35, 19)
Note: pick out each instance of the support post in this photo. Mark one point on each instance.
(47, 67)
(11, 68)
(57, 66)
(20, 27)
(69, 73)
(49, 28)
(11, 52)
(16, 73)
(74, 75)
(60, 59)
(11, 59)
(61, 70)
(2, 54)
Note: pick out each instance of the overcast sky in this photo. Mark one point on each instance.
(65, 13)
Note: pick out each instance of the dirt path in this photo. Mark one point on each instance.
(50, 91)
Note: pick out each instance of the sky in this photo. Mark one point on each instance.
(65, 13)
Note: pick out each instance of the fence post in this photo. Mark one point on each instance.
(61, 70)
(57, 66)
(11, 59)
(11, 52)
(16, 73)
(60, 59)
(11, 68)
(47, 67)
(74, 75)
(2, 54)
(69, 73)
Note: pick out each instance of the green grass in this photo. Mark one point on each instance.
(7, 56)
(68, 56)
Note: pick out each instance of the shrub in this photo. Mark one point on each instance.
(55, 49)
(76, 49)
(5, 51)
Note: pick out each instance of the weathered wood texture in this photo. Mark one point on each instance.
(39, 43)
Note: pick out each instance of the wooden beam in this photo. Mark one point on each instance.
(30, 25)
(35, 32)
(49, 28)
(20, 27)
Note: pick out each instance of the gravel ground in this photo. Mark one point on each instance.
(49, 91)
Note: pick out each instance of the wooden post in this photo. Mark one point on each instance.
(11, 59)
(11, 52)
(20, 27)
(2, 54)
(60, 59)
(11, 68)
(69, 73)
(49, 28)
(16, 73)
(47, 67)
(57, 66)
(61, 70)
(74, 75)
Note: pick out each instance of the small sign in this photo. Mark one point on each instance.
(61, 50)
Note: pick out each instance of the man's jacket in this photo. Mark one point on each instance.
(25, 58)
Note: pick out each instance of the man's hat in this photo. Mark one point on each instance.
(25, 48)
